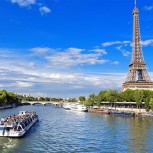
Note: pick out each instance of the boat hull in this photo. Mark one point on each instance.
(15, 134)
(79, 108)
(122, 113)
(98, 111)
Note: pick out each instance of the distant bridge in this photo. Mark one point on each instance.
(41, 102)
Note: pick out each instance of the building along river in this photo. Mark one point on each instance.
(64, 131)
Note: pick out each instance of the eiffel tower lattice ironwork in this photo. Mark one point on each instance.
(137, 77)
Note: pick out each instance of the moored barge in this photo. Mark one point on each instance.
(99, 111)
(130, 114)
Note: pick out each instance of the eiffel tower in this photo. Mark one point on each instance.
(137, 77)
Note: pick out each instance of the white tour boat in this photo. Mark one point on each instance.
(17, 125)
(79, 107)
(67, 106)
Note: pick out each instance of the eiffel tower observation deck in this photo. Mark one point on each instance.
(137, 77)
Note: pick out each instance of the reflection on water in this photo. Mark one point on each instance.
(65, 131)
(141, 135)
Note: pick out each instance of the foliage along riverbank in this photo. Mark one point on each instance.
(9, 98)
(113, 96)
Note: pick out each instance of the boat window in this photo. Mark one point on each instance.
(19, 128)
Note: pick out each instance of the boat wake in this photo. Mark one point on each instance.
(7, 144)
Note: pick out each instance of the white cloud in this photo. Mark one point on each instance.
(101, 51)
(148, 8)
(123, 51)
(24, 3)
(126, 42)
(5, 53)
(75, 51)
(41, 50)
(23, 76)
(22, 84)
(106, 44)
(123, 44)
(147, 42)
(29, 75)
(55, 58)
(28, 3)
(121, 48)
(111, 43)
(44, 10)
(63, 82)
(76, 56)
(115, 62)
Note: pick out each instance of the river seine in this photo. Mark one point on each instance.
(63, 131)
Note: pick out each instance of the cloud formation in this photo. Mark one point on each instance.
(27, 3)
(147, 42)
(121, 47)
(63, 82)
(41, 50)
(72, 56)
(123, 44)
(26, 74)
(123, 51)
(110, 43)
(148, 8)
(106, 44)
(24, 3)
(44, 10)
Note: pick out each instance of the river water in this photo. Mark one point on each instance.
(64, 131)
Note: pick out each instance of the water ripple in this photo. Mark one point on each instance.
(61, 131)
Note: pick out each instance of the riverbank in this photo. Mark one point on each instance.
(127, 112)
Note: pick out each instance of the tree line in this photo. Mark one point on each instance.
(113, 96)
(9, 98)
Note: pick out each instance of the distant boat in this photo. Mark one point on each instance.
(99, 111)
(79, 107)
(17, 125)
(122, 113)
(67, 106)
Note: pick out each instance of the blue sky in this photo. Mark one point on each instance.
(69, 48)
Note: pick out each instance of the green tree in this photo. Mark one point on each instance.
(1, 100)
(147, 103)
(127, 95)
(138, 96)
(97, 100)
(151, 104)
(112, 96)
(5, 96)
(92, 95)
(146, 98)
(41, 99)
(103, 95)
(82, 98)
(47, 99)
(9, 98)
(73, 100)
(89, 102)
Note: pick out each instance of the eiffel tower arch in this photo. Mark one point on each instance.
(137, 77)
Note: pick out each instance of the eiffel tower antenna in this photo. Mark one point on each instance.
(137, 77)
(135, 3)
